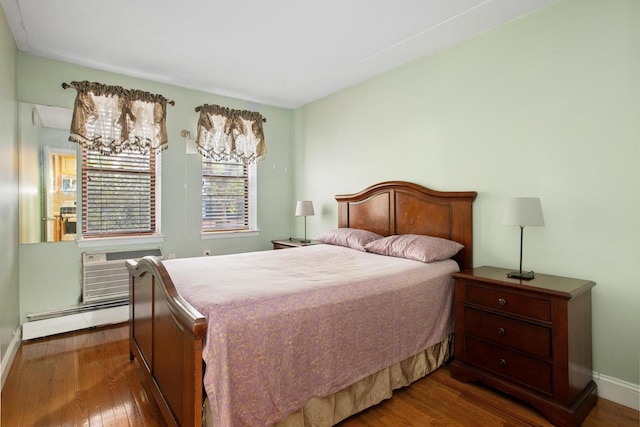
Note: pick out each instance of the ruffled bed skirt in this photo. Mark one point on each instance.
(369, 391)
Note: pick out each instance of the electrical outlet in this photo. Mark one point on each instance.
(207, 252)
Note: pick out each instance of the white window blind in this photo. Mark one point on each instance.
(118, 193)
(225, 196)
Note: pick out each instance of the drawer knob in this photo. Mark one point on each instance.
(501, 331)
(502, 301)
(502, 362)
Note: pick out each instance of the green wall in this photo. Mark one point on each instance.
(9, 304)
(50, 273)
(544, 106)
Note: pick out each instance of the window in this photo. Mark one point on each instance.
(122, 132)
(228, 196)
(230, 142)
(118, 193)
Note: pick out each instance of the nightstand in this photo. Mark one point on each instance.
(530, 339)
(291, 243)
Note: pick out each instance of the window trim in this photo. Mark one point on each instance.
(97, 241)
(253, 230)
(211, 235)
(120, 241)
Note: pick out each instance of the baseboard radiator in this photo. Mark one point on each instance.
(105, 276)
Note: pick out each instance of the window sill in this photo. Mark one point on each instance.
(118, 241)
(229, 234)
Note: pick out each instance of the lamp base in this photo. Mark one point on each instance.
(299, 240)
(522, 275)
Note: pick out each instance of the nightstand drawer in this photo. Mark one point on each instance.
(519, 335)
(508, 302)
(526, 370)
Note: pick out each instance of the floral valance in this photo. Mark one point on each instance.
(226, 134)
(112, 119)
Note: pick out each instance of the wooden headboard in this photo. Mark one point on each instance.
(398, 207)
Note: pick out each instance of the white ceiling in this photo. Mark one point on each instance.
(281, 52)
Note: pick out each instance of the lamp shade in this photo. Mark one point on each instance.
(523, 211)
(304, 208)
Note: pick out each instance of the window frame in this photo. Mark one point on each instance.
(152, 236)
(252, 200)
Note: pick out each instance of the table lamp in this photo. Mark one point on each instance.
(304, 208)
(523, 211)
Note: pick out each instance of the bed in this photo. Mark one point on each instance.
(268, 349)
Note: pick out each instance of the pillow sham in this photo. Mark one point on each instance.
(350, 237)
(415, 247)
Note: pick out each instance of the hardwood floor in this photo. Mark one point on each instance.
(85, 378)
(82, 378)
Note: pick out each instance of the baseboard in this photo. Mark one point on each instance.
(618, 391)
(7, 360)
(74, 322)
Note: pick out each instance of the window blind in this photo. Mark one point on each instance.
(118, 193)
(225, 195)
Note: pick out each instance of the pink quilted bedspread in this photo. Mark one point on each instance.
(288, 325)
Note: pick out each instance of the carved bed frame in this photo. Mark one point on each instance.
(166, 332)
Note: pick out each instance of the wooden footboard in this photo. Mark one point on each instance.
(166, 335)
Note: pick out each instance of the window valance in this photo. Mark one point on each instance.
(226, 134)
(111, 119)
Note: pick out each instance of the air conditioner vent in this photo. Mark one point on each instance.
(105, 276)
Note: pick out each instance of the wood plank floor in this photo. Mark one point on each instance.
(85, 378)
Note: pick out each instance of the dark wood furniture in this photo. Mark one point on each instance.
(398, 207)
(166, 332)
(291, 243)
(530, 339)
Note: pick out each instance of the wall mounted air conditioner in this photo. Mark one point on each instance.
(105, 276)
